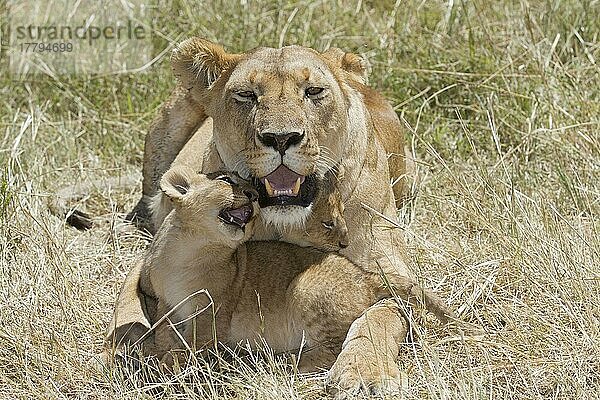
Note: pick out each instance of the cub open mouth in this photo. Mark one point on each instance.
(284, 187)
(236, 216)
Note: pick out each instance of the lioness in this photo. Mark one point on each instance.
(283, 118)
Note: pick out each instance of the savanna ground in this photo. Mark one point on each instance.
(501, 100)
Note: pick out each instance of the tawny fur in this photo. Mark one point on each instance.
(351, 129)
(208, 283)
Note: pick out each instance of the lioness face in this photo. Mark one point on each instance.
(282, 107)
(279, 116)
(221, 206)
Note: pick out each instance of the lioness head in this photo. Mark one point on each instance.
(281, 117)
(219, 205)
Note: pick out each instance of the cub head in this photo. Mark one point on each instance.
(325, 229)
(281, 117)
(220, 206)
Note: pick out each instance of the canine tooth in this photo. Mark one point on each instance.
(231, 219)
(268, 187)
(296, 187)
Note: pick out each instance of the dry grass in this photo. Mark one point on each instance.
(502, 102)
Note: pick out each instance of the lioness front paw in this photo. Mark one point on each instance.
(352, 375)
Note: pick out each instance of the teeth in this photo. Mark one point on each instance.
(231, 219)
(288, 192)
(283, 192)
(269, 187)
(296, 188)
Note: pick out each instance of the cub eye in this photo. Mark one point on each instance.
(314, 91)
(328, 224)
(225, 178)
(245, 95)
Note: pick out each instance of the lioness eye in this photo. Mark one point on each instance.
(314, 91)
(225, 178)
(245, 95)
(328, 224)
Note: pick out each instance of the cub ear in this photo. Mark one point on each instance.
(198, 63)
(176, 182)
(352, 63)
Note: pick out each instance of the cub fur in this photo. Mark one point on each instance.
(208, 282)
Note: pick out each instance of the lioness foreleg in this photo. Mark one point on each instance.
(369, 353)
(131, 322)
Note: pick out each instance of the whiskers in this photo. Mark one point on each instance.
(327, 162)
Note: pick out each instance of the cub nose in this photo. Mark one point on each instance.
(251, 194)
(281, 141)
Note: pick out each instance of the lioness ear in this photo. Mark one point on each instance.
(353, 64)
(176, 182)
(198, 63)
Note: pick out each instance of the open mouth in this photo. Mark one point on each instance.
(284, 187)
(238, 217)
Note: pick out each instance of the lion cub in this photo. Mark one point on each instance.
(209, 283)
(326, 230)
(193, 268)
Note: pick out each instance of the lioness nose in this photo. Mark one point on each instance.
(280, 141)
